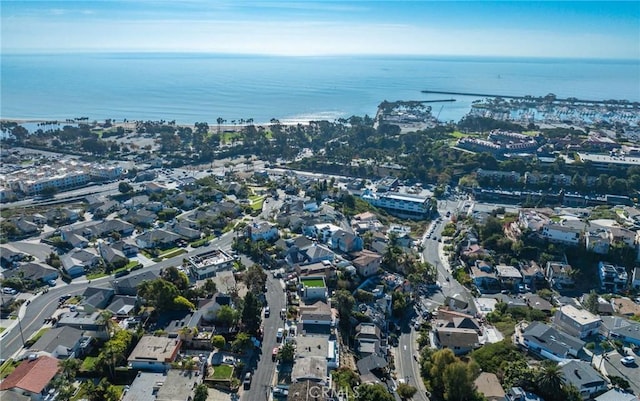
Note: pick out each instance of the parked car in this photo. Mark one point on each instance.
(267, 312)
(247, 381)
(9, 290)
(628, 360)
(280, 334)
(52, 283)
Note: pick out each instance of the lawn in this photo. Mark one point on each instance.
(222, 372)
(8, 367)
(2, 329)
(313, 283)
(506, 327)
(89, 363)
(173, 253)
(94, 276)
(36, 337)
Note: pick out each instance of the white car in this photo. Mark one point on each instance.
(628, 360)
(280, 334)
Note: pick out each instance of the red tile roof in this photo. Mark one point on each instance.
(32, 375)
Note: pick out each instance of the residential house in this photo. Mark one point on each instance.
(106, 208)
(32, 377)
(519, 394)
(536, 302)
(94, 298)
(141, 217)
(547, 341)
(62, 343)
(25, 227)
(76, 262)
(61, 215)
(457, 331)
(154, 354)
(612, 278)
(559, 274)
(489, 386)
(123, 305)
(178, 385)
(367, 339)
(617, 394)
(577, 322)
(208, 264)
(9, 256)
(112, 256)
(597, 241)
(346, 242)
(367, 263)
(625, 307)
(484, 277)
(532, 220)
(128, 285)
(156, 239)
(93, 324)
(33, 271)
(322, 231)
(325, 268)
(618, 328)
(262, 231)
(509, 276)
(76, 241)
(313, 288)
(532, 273)
(187, 232)
(561, 233)
(372, 369)
(313, 253)
(316, 317)
(127, 246)
(622, 236)
(107, 227)
(585, 378)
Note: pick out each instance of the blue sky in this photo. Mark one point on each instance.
(584, 29)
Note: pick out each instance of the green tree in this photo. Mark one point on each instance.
(458, 382)
(373, 392)
(287, 353)
(550, 381)
(226, 316)
(124, 187)
(209, 287)
(439, 361)
(591, 302)
(104, 391)
(344, 302)
(242, 343)
(159, 293)
(255, 279)
(218, 341)
(182, 303)
(176, 277)
(406, 391)
(251, 314)
(201, 393)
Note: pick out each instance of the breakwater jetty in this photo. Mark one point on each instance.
(550, 97)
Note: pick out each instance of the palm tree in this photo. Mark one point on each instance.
(69, 368)
(550, 381)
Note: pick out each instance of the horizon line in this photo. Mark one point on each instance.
(324, 55)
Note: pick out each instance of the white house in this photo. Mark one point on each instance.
(561, 234)
(577, 322)
(262, 231)
(154, 353)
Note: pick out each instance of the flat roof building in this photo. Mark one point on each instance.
(207, 264)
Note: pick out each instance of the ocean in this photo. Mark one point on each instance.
(202, 87)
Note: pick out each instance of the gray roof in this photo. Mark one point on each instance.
(615, 394)
(630, 331)
(122, 304)
(97, 297)
(133, 281)
(32, 271)
(553, 339)
(581, 374)
(66, 337)
(371, 362)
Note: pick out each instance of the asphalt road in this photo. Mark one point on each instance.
(44, 305)
(406, 366)
(264, 366)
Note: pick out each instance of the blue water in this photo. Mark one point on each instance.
(201, 87)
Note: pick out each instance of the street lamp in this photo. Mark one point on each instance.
(20, 328)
